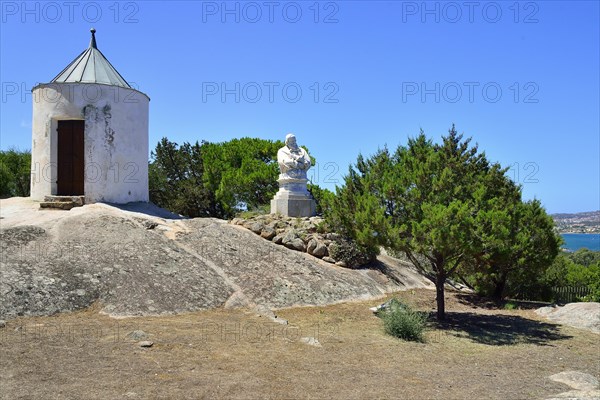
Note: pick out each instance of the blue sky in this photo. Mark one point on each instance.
(347, 77)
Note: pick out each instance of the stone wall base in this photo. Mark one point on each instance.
(291, 207)
(293, 199)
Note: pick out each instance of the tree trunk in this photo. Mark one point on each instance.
(439, 289)
(464, 281)
(499, 286)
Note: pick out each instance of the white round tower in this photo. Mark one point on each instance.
(90, 134)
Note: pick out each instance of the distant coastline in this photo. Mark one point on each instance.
(578, 223)
(573, 232)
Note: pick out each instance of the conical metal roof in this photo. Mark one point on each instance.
(91, 67)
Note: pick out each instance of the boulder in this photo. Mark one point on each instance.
(577, 315)
(256, 227)
(316, 248)
(576, 380)
(281, 225)
(308, 226)
(285, 230)
(289, 236)
(311, 246)
(320, 250)
(332, 236)
(105, 256)
(278, 239)
(577, 395)
(585, 386)
(268, 233)
(137, 335)
(311, 341)
(296, 244)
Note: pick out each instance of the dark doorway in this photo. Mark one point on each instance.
(70, 158)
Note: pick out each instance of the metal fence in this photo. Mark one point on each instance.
(568, 294)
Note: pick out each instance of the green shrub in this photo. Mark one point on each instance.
(351, 253)
(254, 212)
(401, 321)
(594, 297)
(217, 180)
(582, 275)
(511, 305)
(323, 227)
(15, 173)
(322, 197)
(581, 268)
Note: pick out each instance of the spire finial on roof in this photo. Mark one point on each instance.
(93, 40)
(91, 66)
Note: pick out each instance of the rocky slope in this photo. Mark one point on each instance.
(141, 260)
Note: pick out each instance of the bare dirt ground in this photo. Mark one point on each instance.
(482, 352)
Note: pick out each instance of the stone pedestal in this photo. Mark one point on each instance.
(293, 199)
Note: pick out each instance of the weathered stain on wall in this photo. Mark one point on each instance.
(108, 130)
(97, 119)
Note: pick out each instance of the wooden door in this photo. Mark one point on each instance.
(70, 158)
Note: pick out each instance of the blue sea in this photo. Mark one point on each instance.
(576, 241)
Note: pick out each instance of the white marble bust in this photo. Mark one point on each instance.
(293, 160)
(293, 199)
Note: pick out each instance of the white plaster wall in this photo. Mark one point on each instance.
(115, 139)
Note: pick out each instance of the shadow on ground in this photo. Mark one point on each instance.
(474, 300)
(500, 330)
(398, 272)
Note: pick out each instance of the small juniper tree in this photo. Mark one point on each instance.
(424, 200)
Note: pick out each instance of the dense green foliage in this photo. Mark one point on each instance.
(176, 180)
(401, 321)
(352, 254)
(450, 210)
(519, 245)
(322, 196)
(581, 268)
(15, 173)
(214, 179)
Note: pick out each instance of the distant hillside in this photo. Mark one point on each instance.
(584, 222)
